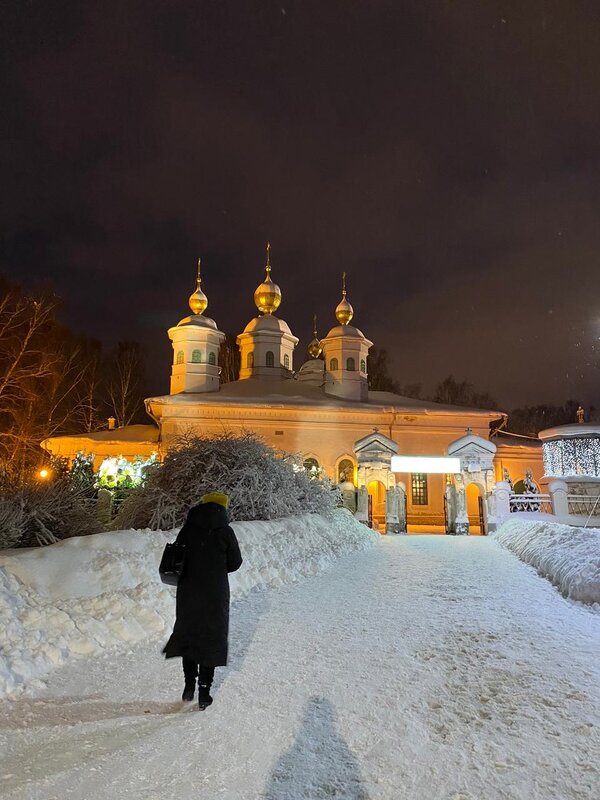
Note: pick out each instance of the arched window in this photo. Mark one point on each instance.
(311, 465)
(333, 365)
(345, 471)
(250, 360)
(179, 359)
(350, 365)
(363, 365)
(270, 358)
(196, 356)
(212, 359)
(286, 361)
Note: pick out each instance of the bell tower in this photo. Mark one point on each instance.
(196, 342)
(345, 351)
(267, 344)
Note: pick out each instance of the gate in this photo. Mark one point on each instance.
(370, 511)
(482, 529)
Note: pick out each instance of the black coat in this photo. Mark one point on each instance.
(202, 616)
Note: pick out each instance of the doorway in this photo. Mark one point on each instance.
(376, 491)
(476, 509)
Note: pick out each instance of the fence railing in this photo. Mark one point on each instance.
(583, 504)
(533, 503)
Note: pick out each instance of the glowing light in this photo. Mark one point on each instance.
(43, 474)
(573, 456)
(119, 473)
(426, 464)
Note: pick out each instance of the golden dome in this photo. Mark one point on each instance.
(314, 348)
(344, 312)
(198, 300)
(267, 296)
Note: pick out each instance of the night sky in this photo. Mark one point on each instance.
(445, 153)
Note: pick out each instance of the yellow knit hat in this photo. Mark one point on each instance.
(215, 497)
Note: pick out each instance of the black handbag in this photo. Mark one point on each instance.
(171, 563)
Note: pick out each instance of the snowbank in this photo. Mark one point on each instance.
(567, 556)
(86, 594)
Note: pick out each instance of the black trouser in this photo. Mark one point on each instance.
(192, 670)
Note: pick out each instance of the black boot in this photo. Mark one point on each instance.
(204, 698)
(205, 679)
(190, 671)
(188, 690)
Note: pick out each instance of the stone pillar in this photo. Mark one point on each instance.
(348, 496)
(558, 493)
(104, 507)
(491, 520)
(401, 508)
(392, 511)
(462, 519)
(503, 492)
(362, 505)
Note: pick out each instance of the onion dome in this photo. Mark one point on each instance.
(198, 300)
(314, 348)
(344, 312)
(267, 296)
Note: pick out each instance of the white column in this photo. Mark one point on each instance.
(558, 492)
(503, 492)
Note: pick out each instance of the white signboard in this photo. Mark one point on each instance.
(427, 464)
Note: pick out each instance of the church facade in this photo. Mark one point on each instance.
(323, 410)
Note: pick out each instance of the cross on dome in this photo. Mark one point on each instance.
(198, 301)
(314, 348)
(344, 311)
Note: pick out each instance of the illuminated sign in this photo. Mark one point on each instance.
(427, 464)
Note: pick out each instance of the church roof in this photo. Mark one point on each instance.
(129, 433)
(268, 322)
(254, 391)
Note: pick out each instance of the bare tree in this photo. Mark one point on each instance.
(229, 359)
(126, 379)
(45, 377)
(27, 364)
(461, 393)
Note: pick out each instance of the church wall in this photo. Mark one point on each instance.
(519, 459)
(328, 434)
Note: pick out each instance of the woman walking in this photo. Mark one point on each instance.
(202, 608)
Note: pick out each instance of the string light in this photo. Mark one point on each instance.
(572, 457)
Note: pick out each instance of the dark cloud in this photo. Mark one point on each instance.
(444, 154)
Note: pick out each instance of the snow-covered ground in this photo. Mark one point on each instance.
(567, 556)
(429, 667)
(84, 595)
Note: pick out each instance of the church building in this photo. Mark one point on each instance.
(319, 407)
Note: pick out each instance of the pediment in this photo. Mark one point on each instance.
(375, 443)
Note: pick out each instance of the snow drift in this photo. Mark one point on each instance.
(86, 594)
(567, 556)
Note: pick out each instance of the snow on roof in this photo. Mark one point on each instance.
(576, 430)
(292, 392)
(129, 433)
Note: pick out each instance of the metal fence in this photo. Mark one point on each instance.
(532, 503)
(584, 505)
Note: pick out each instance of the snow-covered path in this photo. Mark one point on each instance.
(430, 667)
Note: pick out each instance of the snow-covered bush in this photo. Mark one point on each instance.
(261, 483)
(569, 557)
(45, 513)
